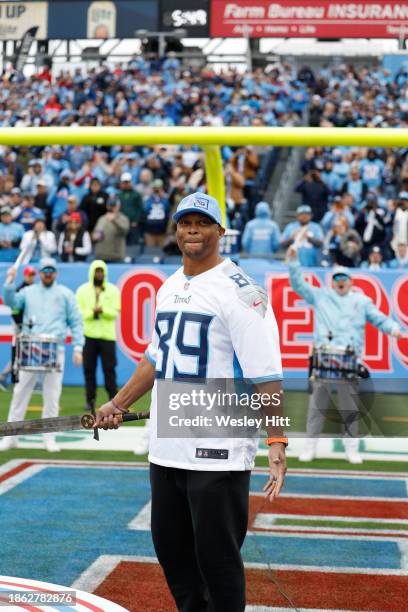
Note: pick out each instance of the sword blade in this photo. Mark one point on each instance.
(55, 424)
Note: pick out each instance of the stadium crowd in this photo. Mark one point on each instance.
(82, 201)
(354, 201)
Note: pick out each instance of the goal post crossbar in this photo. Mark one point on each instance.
(209, 138)
(276, 136)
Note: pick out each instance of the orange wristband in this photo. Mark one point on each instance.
(270, 441)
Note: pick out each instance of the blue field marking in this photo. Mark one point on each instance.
(338, 485)
(55, 524)
(322, 552)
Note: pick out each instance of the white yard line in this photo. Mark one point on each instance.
(100, 569)
(349, 475)
(327, 496)
(318, 472)
(13, 463)
(351, 532)
(15, 480)
(343, 519)
(257, 470)
(403, 546)
(88, 463)
(141, 522)
(328, 569)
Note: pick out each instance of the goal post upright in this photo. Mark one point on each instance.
(215, 176)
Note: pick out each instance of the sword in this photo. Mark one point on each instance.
(63, 423)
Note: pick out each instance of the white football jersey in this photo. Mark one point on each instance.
(215, 325)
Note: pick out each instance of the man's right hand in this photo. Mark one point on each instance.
(106, 417)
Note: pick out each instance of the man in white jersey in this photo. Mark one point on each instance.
(212, 322)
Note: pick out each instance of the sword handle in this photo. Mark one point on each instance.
(134, 416)
(88, 420)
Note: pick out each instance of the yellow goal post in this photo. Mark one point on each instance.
(209, 138)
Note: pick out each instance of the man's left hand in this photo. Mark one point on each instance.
(277, 470)
(397, 333)
(77, 358)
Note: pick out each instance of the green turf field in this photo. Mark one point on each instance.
(73, 402)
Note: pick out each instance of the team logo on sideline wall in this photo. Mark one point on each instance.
(139, 291)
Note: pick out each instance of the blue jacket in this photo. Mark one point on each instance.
(58, 200)
(342, 316)
(156, 209)
(51, 310)
(261, 235)
(28, 216)
(371, 172)
(10, 232)
(396, 263)
(332, 180)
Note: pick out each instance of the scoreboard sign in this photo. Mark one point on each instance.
(189, 15)
(309, 18)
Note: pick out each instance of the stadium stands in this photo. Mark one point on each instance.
(367, 188)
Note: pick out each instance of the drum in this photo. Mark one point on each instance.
(37, 353)
(334, 363)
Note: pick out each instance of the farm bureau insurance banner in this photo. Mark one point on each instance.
(309, 18)
(387, 358)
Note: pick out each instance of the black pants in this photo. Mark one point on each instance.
(199, 522)
(106, 350)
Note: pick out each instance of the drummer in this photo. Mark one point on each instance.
(48, 309)
(340, 316)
